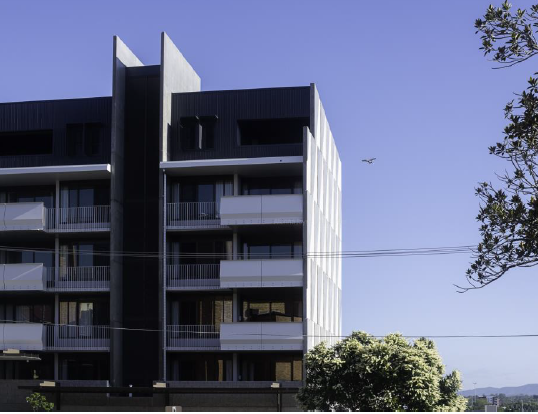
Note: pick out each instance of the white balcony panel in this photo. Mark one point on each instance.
(261, 336)
(263, 209)
(30, 276)
(241, 210)
(261, 273)
(22, 216)
(282, 273)
(22, 336)
(240, 273)
(282, 208)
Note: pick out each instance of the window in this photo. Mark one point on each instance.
(33, 313)
(202, 310)
(44, 195)
(272, 185)
(83, 139)
(28, 256)
(201, 367)
(272, 311)
(263, 367)
(197, 133)
(26, 143)
(84, 313)
(255, 251)
(85, 194)
(272, 131)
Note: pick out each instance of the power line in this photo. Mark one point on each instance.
(286, 336)
(421, 251)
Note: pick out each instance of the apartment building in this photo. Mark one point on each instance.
(167, 233)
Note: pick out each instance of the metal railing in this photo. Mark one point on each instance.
(193, 276)
(193, 214)
(78, 278)
(192, 336)
(69, 219)
(72, 337)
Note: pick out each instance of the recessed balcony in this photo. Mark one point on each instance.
(193, 215)
(35, 276)
(77, 338)
(192, 337)
(79, 279)
(261, 209)
(261, 336)
(78, 219)
(192, 276)
(261, 273)
(35, 216)
(37, 336)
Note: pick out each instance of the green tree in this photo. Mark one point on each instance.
(369, 374)
(509, 214)
(38, 402)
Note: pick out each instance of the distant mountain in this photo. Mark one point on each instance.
(529, 389)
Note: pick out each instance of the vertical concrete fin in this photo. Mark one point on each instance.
(177, 75)
(122, 59)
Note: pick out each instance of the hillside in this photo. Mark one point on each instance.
(529, 389)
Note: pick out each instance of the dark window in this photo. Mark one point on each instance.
(201, 367)
(259, 251)
(33, 313)
(26, 143)
(83, 139)
(271, 131)
(271, 185)
(197, 133)
(263, 367)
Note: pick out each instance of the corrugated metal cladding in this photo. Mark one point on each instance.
(231, 106)
(55, 115)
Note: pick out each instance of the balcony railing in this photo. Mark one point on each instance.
(193, 276)
(75, 219)
(193, 215)
(78, 279)
(77, 338)
(192, 337)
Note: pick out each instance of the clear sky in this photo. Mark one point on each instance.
(402, 81)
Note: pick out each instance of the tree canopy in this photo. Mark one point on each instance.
(509, 214)
(368, 374)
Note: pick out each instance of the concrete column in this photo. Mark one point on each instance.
(56, 258)
(235, 306)
(235, 371)
(56, 367)
(235, 246)
(236, 184)
(57, 204)
(56, 309)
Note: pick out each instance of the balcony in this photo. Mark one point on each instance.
(15, 277)
(34, 216)
(192, 337)
(77, 338)
(261, 209)
(22, 216)
(261, 273)
(192, 276)
(192, 215)
(79, 279)
(78, 219)
(34, 276)
(23, 336)
(261, 336)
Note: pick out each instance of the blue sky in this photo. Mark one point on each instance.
(400, 81)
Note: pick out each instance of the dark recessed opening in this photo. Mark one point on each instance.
(271, 131)
(26, 143)
(197, 133)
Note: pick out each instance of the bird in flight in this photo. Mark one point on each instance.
(369, 160)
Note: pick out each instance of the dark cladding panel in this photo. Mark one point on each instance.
(232, 106)
(141, 227)
(42, 117)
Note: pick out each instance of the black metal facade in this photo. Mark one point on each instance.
(55, 116)
(229, 107)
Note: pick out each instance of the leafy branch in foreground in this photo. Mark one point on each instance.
(510, 36)
(509, 216)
